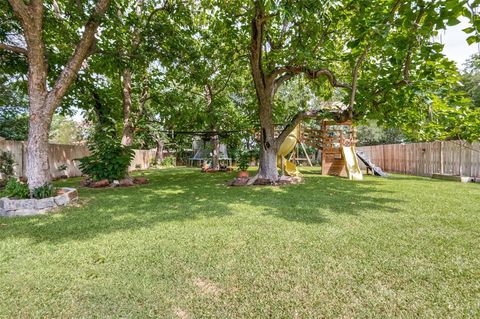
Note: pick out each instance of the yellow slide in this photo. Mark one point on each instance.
(286, 148)
(351, 163)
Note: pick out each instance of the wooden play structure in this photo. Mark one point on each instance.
(330, 139)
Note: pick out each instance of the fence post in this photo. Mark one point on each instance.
(460, 161)
(441, 158)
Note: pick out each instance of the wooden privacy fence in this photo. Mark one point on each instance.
(60, 154)
(425, 159)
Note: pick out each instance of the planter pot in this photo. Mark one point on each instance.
(243, 174)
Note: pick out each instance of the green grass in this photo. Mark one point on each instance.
(186, 246)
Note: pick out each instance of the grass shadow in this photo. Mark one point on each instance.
(178, 195)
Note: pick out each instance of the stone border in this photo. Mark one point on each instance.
(29, 207)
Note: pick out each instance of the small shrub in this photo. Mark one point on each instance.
(243, 162)
(7, 164)
(109, 160)
(16, 189)
(44, 191)
(168, 161)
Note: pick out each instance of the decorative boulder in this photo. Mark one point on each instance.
(100, 183)
(86, 182)
(126, 182)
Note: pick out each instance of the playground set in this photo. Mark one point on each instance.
(336, 142)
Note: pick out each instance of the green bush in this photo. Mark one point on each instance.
(243, 163)
(168, 161)
(6, 164)
(15, 189)
(44, 191)
(109, 159)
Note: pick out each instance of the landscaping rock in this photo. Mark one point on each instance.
(140, 180)
(28, 207)
(100, 183)
(13, 204)
(61, 200)
(289, 180)
(126, 182)
(86, 182)
(239, 181)
(44, 203)
(263, 181)
(26, 212)
(115, 183)
(72, 194)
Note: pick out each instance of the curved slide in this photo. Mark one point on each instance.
(351, 163)
(286, 148)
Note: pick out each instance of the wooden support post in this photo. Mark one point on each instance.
(306, 155)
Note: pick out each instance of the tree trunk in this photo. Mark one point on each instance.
(42, 102)
(215, 151)
(127, 135)
(265, 89)
(38, 168)
(214, 138)
(159, 151)
(268, 148)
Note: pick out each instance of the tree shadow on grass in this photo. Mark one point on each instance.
(184, 194)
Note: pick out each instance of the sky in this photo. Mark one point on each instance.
(456, 46)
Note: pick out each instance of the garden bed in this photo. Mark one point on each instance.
(28, 207)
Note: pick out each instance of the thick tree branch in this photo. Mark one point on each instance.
(20, 9)
(355, 72)
(80, 54)
(225, 84)
(258, 24)
(290, 71)
(13, 48)
(408, 59)
(165, 6)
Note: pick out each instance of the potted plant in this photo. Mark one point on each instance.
(243, 166)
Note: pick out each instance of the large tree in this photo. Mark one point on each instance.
(45, 96)
(372, 51)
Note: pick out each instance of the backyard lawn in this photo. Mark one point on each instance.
(186, 246)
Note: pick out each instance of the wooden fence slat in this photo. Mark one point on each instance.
(425, 159)
(59, 154)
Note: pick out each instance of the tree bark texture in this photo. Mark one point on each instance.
(128, 129)
(214, 139)
(159, 151)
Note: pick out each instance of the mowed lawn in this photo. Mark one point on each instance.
(187, 246)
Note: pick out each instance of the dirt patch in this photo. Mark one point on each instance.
(180, 313)
(206, 287)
